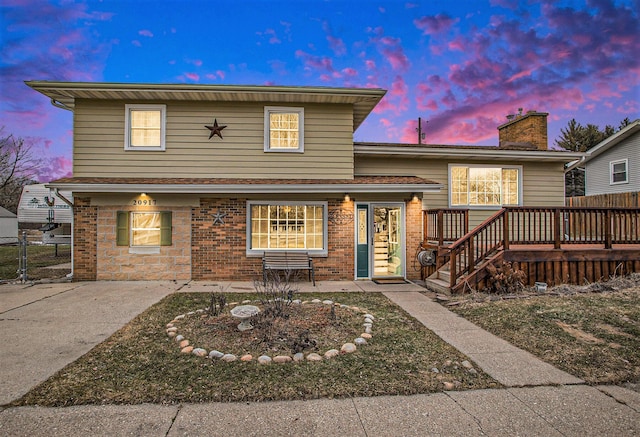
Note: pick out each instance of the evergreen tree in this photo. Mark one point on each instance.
(578, 138)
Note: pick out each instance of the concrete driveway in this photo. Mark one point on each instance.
(47, 326)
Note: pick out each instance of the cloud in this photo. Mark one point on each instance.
(34, 49)
(435, 24)
(335, 44)
(146, 33)
(322, 65)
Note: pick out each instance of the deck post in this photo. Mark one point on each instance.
(452, 269)
(608, 237)
(556, 228)
(505, 229)
(440, 227)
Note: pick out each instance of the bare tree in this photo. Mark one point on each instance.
(18, 168)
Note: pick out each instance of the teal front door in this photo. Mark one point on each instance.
(362, 241)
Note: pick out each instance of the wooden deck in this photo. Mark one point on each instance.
(552, 245)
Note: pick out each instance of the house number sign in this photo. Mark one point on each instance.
(144, 202)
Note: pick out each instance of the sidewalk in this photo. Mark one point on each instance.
(540, 399)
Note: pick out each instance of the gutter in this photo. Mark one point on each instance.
(576, 163)
(247, 189)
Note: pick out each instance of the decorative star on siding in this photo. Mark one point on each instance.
(215, 129)
(218, 218)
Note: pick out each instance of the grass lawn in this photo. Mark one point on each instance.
(38, 256)
(594, 336)
(140, 363)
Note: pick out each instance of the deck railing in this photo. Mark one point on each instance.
(442, 225)
(543, 226)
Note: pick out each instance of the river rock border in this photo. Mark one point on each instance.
(187, 348)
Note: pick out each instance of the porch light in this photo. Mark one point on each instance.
(414, 197)
(143, 194)
(347, 198)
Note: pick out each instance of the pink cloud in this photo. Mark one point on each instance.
(136, 43)
(312, 63)
(350, 72)
(435, 24)
(335, 44)
(370, 64)
(146, 33)
(394, 53)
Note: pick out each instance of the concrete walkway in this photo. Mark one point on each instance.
(504, 362)
(47, 326)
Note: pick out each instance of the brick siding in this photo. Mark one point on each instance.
(84, 239)
(414, 237)
(115, 263)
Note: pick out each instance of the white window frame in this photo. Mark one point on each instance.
(268, 110)
(127, 126)
(485, 207)
(626, 171)
(142, 249)
(313, 252)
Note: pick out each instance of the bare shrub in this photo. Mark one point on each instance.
(504, 279)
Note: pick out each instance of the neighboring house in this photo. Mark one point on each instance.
(613, 165)
(196, 182)
(8, 227)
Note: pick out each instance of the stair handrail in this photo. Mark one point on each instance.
(468, 240)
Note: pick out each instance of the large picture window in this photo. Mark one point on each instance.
(145, 127)
(287, 226)
(479, 186)
(283, 129)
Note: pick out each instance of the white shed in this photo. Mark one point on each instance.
(8, 227)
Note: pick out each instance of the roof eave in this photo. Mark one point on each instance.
(452, 152)
(245, 189)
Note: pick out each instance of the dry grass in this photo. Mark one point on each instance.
(592, 332)
(140, 363)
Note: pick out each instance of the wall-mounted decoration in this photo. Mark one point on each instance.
(215, 129)
(218, 218)
(341, 216)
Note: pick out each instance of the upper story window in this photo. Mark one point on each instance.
(145, 127)
(283, 129)
(479, 186)
(618, 171)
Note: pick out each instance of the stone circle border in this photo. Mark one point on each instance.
(186, 348)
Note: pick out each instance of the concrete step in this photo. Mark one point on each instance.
(437, 285)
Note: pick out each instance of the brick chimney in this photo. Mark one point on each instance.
(528, 129)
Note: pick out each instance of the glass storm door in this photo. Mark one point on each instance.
(388, 247)
(362, 241)
(379, 241)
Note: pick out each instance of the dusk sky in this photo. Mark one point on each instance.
(460, 65)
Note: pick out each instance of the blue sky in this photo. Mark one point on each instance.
(462, 66)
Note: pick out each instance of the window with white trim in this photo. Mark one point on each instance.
(283, 129)
(481, 186)
(145, 127)
(287, 226)
(618, 171)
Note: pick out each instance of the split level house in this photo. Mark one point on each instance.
(196, 182)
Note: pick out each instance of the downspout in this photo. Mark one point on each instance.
(70, 203)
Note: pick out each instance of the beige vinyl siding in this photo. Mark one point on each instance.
(542, 183)
(99, 143)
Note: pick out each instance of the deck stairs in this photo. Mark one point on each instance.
(440, 280)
